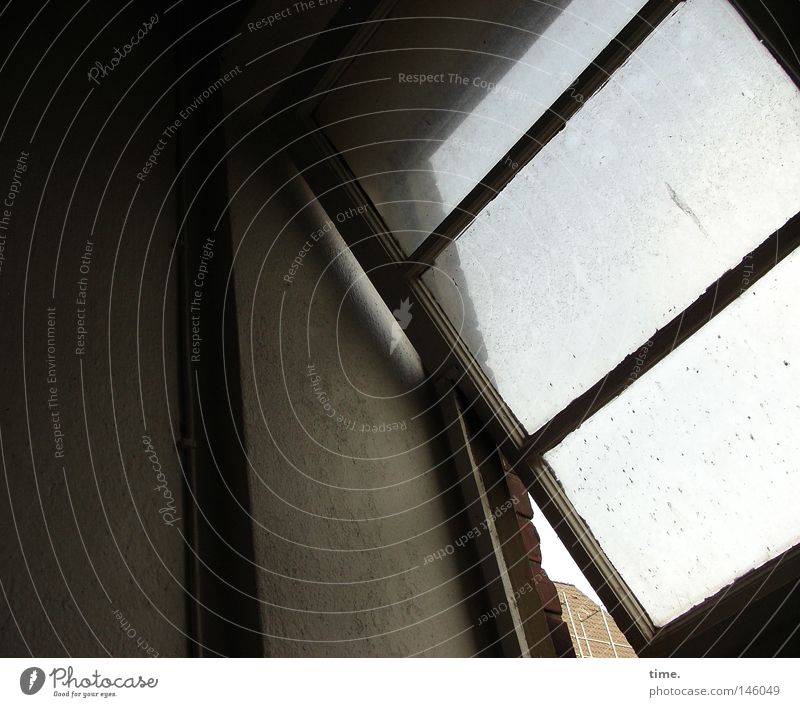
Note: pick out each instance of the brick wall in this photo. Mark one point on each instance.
(591, 629)
(559, 632)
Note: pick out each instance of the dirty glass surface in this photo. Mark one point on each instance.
(681, 165)
(690, 478)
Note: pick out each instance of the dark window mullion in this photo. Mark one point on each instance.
(777, 25)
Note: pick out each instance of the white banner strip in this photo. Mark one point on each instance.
(404, 683)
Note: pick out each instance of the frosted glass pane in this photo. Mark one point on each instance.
(691, 477)
(496, 67)
(681, 165)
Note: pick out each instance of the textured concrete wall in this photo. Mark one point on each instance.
(345, 514)
(344, 517)
(88, 566)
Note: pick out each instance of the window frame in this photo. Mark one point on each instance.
(446, 357)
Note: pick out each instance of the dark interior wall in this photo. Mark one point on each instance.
(168, 497)
(93, 558)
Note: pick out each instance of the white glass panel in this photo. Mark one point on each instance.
(682, 164)
(691, 477)
(495, 66)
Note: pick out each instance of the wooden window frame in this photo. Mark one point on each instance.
(447, 358)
